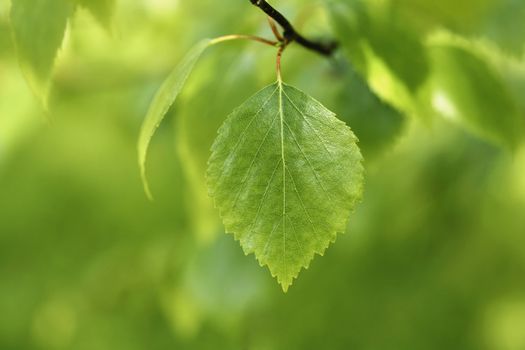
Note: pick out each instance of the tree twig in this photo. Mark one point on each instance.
(290, 34)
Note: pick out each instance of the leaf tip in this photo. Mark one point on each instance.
(40, 87)
(145, 183)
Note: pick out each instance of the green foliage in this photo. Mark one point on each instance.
(162, 101)
(377, 123)
(381, 82)
(376, 43)
(38, 29)
(435, 255)
(285, 174)
(467, 89)
(444, 74)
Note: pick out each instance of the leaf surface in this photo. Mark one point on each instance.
(285, 174)
(38, 30)
(162, 102)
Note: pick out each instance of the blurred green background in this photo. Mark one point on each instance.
(434, 257)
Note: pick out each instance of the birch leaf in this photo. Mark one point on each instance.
(285, 174)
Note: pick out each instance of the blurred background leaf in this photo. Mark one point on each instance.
(39, 27)
(465, 87)
(377, 124)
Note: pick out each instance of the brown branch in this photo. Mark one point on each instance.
(290, 34)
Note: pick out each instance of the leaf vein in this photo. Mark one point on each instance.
(308, 216)
(316, 132)
(264, 197)
(241, 137)
(316, 174)
(246, 176)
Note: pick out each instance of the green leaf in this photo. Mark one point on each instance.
(384, 50)
(102, 10)
(374, 122)
(466, 87)
(38, 29)
(285, 174)
(162, 102)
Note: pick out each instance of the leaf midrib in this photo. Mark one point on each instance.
(281, 115)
